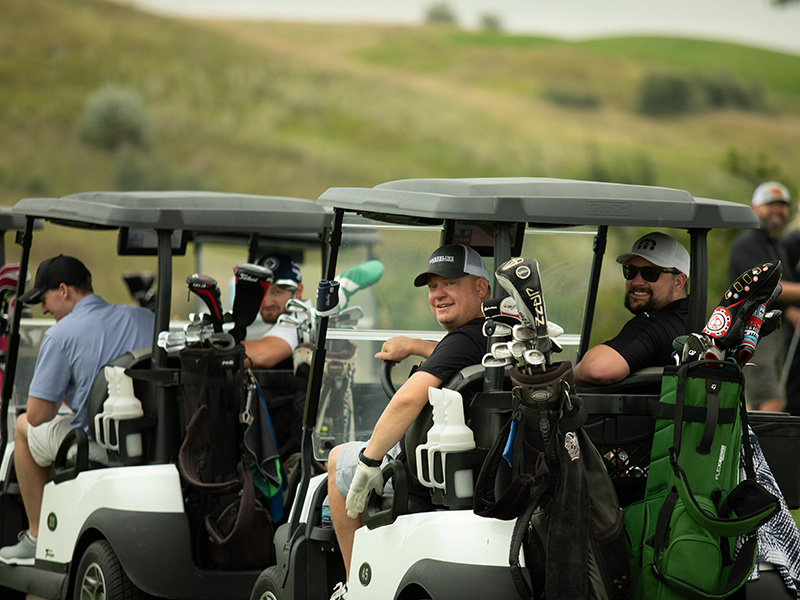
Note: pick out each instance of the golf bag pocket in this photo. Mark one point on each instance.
(680, 560)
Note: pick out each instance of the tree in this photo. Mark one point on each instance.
(440, 13)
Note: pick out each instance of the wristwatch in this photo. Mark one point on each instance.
(370, 462)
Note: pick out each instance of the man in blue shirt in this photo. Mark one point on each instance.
(88, 334)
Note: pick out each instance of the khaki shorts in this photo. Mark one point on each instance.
(44, 441)
(762, 378)
(347, 461)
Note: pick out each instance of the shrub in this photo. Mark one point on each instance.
(572, 98)
(440, 13)
(664, 94)
(115, 116)
(491, 23)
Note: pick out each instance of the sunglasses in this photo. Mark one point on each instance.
(650, 274)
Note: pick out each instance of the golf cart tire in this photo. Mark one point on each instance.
(268, 585)
(100, 575)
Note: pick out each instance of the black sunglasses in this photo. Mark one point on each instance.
(650, 274)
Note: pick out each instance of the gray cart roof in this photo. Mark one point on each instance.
(9, 221)
(540, 201)
(211, 212)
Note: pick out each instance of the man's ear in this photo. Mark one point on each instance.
(299, 293)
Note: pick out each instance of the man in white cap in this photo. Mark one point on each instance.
(771, 202)
(458, 283)
(656, 270)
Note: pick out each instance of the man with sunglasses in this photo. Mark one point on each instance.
(656, 271)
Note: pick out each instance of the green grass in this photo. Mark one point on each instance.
(293, 109)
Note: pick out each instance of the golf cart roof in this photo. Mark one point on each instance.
(541, 202)
(187, 210)
(10, 221)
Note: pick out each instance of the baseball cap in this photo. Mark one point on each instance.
(52, 273)
(660, 249)
(769, 192)
(285, 270)
(453, 261)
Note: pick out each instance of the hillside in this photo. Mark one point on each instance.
(292, 109)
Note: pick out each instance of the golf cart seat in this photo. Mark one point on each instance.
(98, 394)
(484, 412)
(68, 464)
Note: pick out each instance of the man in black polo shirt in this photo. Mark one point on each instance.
(656, 270)
(457, 283)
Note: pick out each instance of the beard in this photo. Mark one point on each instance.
(638, 305)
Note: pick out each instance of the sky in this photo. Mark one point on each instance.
(750, 22)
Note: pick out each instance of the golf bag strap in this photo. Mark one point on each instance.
(749, 499)
(692, 414)
(712, 415)
(187, 462)
(522, 528)
(514, 500)
(244, 514)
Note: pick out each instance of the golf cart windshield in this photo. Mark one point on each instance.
(562, 224)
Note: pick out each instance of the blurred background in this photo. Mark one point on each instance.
(291, 100)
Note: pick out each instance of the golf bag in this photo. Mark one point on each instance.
(228, 459)
(683, 534)
(563, 499)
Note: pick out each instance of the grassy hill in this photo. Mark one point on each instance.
(292, 109)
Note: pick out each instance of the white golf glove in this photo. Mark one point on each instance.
(365, 479)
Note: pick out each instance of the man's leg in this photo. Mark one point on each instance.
(31, 476)
(344, 526)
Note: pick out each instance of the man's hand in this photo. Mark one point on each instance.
(365, 479)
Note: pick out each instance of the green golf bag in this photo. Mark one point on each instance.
(683, 534)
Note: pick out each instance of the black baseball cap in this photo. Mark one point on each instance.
(453, 261)
(285, 270)
(52, 273)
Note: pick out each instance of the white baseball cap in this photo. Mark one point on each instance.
(660, 249)
(769, 192)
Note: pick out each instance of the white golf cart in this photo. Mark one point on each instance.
(446, 553)
(121, 531)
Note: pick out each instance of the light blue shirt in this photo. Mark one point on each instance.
(77, 346)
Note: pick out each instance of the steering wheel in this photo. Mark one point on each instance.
(386, 378)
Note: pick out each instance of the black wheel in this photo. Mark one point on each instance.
(101, 577)
(267, 585)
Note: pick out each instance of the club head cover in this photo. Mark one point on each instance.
(753, 287)
(520, 278)
(207, 289)
(251, 285)
(357, 278)
(772, 321)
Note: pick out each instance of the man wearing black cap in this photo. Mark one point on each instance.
(457, 284)
(278, 343)
(88, 333)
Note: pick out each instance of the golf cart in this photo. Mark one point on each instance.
(450, 552)
(122, 530)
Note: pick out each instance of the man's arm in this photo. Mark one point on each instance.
(400, 347)
(267, 352)
(398, 415)
(41, 411)
(601, 365)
